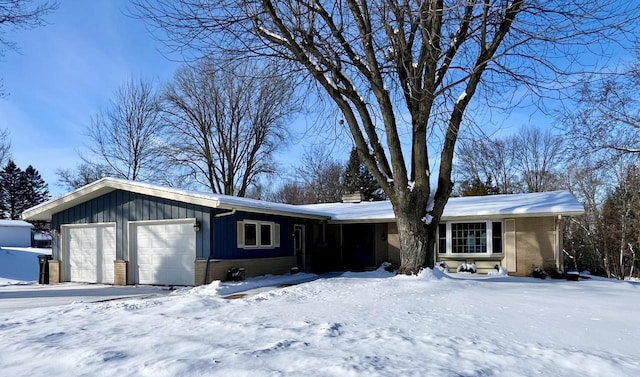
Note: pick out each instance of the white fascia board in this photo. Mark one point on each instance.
(45, 210)
(313, 215)
(103, 186)
(383, 220)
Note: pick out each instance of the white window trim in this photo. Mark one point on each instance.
(489, 236)
(273, 227)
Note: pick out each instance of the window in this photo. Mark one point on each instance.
(470, 238)
(497, 237)
(442, 238)
(250, 234)
(258, 234)
(265, 234)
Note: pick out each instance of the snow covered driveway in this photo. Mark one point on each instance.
(29, 296)
(355, 325)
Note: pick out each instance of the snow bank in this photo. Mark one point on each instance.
(340, 327)
(218, 288)
(384, 271)
(19, 265)
(501, 271)
(431, 274)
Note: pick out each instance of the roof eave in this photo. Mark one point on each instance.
(271, 211)
(104, 186)
(498, 216)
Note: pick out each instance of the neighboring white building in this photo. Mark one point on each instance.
(15, 233)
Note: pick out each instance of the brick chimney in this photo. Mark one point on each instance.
(352, 197)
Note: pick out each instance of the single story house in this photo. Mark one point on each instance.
(15, 233)
(121, 232)
(517, 231)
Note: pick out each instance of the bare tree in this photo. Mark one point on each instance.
(226, 124)
(605, 116)
(126, 137)
(321, 175)
(82, 175)
(486, 160)
(525, 162)
(621, 214)
(539, 154)
(292, 193)
(5, 147)
(584, 235)
(404, 68)
(20, 14)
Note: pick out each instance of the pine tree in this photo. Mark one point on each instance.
(20, 190)
(36, 189)
(358, 178)
(11, 191)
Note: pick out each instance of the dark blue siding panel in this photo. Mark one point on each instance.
(144, 203)
(225, 236)
(121, 207)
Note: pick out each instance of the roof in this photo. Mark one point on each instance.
(15, 223)
(103, 186)
(494, 206)
(536, 204)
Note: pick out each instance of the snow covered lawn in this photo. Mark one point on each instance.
(368, 324)
(19, 264)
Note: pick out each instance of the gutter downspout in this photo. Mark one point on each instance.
(206, 266)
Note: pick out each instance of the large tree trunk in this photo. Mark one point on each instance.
(413, 243)
(417, 238)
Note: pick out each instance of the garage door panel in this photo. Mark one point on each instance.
(165, 252)
(91, 251)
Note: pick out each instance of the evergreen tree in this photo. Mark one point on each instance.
(11, 191)
(20, 190)
(358, 178)
(36, 189)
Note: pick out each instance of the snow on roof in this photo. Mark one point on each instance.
(515, 205)
(15, 223)
(363, 211)
(100, 187)
(534, 204)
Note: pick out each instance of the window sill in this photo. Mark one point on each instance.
(471, 255)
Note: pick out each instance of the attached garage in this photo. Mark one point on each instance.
(122, 232)
(89, 252)
(163, 252)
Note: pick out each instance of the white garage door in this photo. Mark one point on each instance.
(91, 251)
(165, 251)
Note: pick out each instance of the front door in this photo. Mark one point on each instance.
(298, 246)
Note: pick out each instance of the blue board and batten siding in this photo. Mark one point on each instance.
(217, 234)
(120, 207)
(225, 244)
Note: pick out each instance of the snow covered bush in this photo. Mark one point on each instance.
(387, 266)
(468, 267)
(539, 273)
(429, 274)
(498, 270)
(442, 266)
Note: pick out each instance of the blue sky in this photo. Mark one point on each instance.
(64, 73)
(68, 70)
